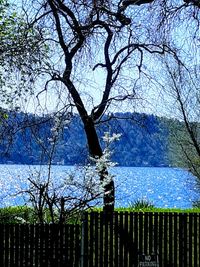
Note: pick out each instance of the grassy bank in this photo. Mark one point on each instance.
(24, 214)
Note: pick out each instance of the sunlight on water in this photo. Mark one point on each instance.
(164, 187)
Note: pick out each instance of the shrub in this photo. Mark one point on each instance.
(141, 205)
(17, 214)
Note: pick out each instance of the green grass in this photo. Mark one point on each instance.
(130, 209)
(144, 205)
(155, 209)
(24, 214)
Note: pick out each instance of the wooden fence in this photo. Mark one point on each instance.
(141, 239)
(39, 245)
(120, 239)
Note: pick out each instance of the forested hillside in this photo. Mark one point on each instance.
(27, 139)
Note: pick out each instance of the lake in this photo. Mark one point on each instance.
(164, 187)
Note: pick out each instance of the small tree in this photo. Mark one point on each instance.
(62, 200)
(183, 86)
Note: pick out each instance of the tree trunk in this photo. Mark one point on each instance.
(95, 150)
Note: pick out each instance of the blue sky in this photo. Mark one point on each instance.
(153, 94)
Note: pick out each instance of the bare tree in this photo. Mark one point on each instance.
(105, 40)
(103, 47)
(181, 82)
(61, 202)
(183, 88)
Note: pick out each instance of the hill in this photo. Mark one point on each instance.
(27, 139)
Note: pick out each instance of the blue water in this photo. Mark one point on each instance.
(164, 187)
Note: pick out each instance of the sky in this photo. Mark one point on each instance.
(151, 97)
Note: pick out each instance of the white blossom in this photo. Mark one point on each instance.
(81, 183)
(109, 139)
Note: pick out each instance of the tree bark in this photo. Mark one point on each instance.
(95, 151)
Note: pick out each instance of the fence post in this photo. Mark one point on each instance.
(83, 239)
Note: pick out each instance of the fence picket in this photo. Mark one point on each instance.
(175, 240)
(66, 244)
(171, 237)
(160, 240)
(185, 240)
(136, 238)
(46, 246)
(198, 235)
(131, 244)
(181, 236)
(146, 233)
(96, 215)
(72, 232)
(32, 254)
(2, 239)
(101, 237)
(106, 223)
(196, 251)
(6, 245)
(91, 240)
(12, 245)
(165, 238)
(116, 245)
(76, 246)
(121, 239)
(111, 243)
(141, 237)
(126, 241)
(150, 232)
(155, 234)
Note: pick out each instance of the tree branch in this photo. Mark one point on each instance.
(76, 27)
(193, 2)
(108, 86)
(59, 30)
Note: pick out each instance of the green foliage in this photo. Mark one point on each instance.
(18, 214)
(182, 152)
(196, 204)
(141, 205)
(3, 115)
(21, 54)
(24, 214)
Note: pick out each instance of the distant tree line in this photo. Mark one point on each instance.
(26, 139)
